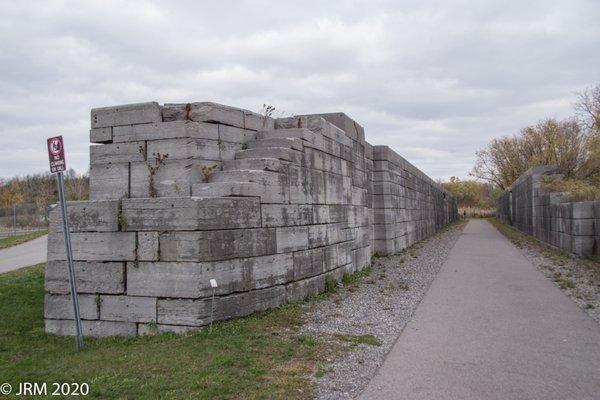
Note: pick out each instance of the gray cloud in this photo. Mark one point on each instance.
(435, 80)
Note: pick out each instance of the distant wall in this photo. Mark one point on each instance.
(570, 226)
(270, 208)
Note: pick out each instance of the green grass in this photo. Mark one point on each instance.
(15, 240)
(259, 357)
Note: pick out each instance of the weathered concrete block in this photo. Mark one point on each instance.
(117, 153)
(165, 130)
(291, 238)
(191, 213)
(217, 245)
(98, 329)
(308, 263)
(266, 193)
(182, 149)
(264, 177)
(127, 114)
(291, 143)
(264, 164)
(281, 153)
(204, 112)
(94, 246)
(147, 246)
(583, 209)
(91, 277)
(236, 135)
(173, 178)
(128, 308)
(109, 181)
(197, 312)
(304, 289)
(101, 135)
(192, 280)
(61, 307)
(297, 133)
(582, 227)
(286, 214)
(87, 216)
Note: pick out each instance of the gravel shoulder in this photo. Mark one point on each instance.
(361, 321)
(577, 277)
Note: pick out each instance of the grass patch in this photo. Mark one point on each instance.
(355, 277)
(355, 340)
(15, 240)
(259, 357)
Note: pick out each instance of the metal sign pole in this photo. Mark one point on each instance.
(56, 156)
(72, 284)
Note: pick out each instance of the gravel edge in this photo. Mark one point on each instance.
(362, 321)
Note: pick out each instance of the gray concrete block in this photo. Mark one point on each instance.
(109, 181)
(147, 246)
(217, 245)
(127, 114)
(117, 153)
(97, 329)
(91, 277)
(304, 289)
(266, 193)
(308, 263)
(61, 306)
(94, 246)
(318, 235)
(235, 135)
(288, 143)
(582, 227)
(286, 215)
(187, 148)
(204, 112)
(192, 280)
(264, 164)
(174, 178)
(264, 177)
(291, 238)
(87, 216)
(191, 213)
(128, 308)
(583, 209)
(294, 133)
(281, 153)
(166, 130)
(101, 135)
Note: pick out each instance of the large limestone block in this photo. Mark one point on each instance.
(127, 114)
(186, 148)
(94, 246)
(128, 308)
(173, 178)
(109, 181)
(87, 216)
(61, 306)
(117, 153)
(97, 329)
(217, 245)
(190, 213)
(192, 280)
(197, 312)
(91, 277)
(165, 130)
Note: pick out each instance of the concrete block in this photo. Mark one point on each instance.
(127, 114)
(97, 329)
(263, 177)
(286, 215)
(304, 289)
(147, 246)
(318, 235)
(291, 238)
(165, 130)
(308, 263)
(109, 181)
(101, 135)
(117, 153)
(235, 135)
(294, 133)
(94, 246)
(217, 245)
(204, 112)
(281, 153)
(260, 164)
(91, 277)
(192, 280)
(61, 306)
(582, 227)
(128, 308)
(583, 245)
(266, 193)
(191, 213)
(288, 143)
(182, 149)
(583, 209)
(197, 312)
(87, 216)
(174, 178)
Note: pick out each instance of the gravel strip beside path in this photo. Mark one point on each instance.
(380, 305)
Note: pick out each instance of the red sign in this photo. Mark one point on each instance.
(56, 153)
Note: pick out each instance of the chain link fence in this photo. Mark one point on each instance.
(23, 218)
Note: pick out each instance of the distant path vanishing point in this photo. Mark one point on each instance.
(492, 327)
(23, 255)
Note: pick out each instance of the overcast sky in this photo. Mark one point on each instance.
(433, 80)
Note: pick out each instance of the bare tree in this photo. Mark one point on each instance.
(588, 108)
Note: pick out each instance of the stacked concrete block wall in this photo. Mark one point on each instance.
(270, 208)
(529, 206)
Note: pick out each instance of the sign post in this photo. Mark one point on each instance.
(56, 154)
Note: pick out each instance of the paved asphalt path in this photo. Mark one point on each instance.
(492, 327)
(23, 255)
